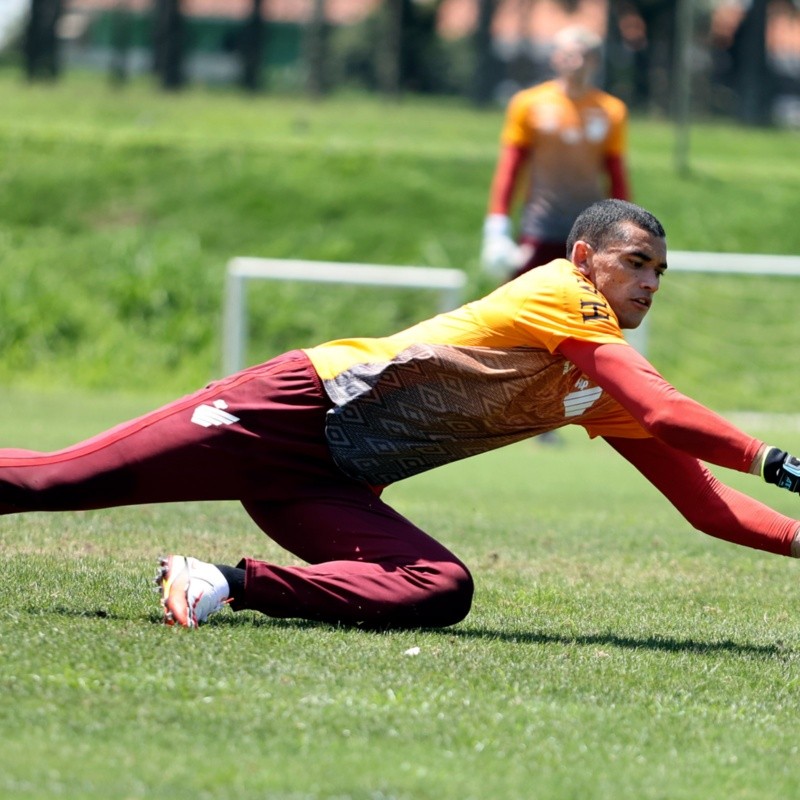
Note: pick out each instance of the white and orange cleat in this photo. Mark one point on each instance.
(191, 590)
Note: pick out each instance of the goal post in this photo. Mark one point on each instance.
(449, 283)
(720, 263)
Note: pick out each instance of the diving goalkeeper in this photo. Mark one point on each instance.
(308, 440)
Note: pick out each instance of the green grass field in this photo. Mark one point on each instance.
(612, 653)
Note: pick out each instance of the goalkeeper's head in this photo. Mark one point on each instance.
(621, 249)
(603, 221)
(576, 55)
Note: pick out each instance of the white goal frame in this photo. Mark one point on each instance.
(449, 283)
(719, 263)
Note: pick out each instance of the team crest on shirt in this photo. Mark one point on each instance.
(548, 118)
(596, 126)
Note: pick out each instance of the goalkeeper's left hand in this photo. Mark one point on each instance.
(782, 469)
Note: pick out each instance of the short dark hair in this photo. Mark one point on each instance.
(601, 221)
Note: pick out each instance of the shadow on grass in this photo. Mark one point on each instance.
(654, 642)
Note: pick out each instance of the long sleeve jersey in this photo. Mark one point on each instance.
(542, 351)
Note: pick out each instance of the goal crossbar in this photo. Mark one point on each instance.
(733, 263)
(723, 264)
(449, 283)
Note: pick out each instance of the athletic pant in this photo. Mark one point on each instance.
(258, 437)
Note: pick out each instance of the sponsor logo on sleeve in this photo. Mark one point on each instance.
(593, 306)
(582, 399)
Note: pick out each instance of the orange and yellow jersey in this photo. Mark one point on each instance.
(569, 141)
(470, 380)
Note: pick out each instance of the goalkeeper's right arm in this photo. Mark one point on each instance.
(500, 254)
(684, 434)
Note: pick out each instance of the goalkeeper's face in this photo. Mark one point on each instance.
(626, 269)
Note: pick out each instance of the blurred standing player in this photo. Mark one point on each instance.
(566, 140)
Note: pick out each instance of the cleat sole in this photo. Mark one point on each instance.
(164, 586)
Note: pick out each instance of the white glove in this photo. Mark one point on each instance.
(500, 254)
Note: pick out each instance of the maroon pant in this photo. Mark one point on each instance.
(258, 437)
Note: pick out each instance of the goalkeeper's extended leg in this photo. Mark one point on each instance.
(253, 435)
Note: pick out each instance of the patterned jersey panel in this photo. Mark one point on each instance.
(480, 377)
(422, 411)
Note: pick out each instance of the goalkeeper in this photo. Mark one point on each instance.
(564, 141)
(308, 440)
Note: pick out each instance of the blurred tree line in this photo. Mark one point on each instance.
(397, 49)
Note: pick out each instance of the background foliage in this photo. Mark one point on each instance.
(119, 211)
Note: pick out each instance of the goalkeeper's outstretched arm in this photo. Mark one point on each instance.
(707, 503)
(686, 433)
(661, 409)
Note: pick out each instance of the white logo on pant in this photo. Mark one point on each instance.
(215, 414)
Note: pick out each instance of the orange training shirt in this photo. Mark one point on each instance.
(482, 376)
(569, 141)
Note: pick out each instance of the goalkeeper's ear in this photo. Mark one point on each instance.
(581, 257)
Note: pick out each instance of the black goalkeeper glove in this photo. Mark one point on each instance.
(781, 469)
